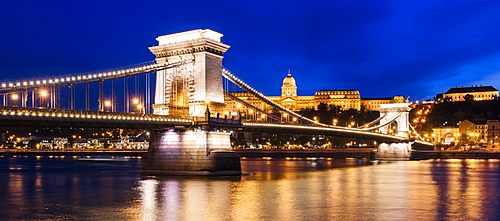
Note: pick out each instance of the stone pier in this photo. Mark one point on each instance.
(190, 152)
(394, 151)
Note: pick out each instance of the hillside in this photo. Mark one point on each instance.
(452, 113)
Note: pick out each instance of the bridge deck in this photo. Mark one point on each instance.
(28, 116)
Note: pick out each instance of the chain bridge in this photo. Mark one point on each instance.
(180, 97)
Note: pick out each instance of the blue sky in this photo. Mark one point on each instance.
(381, 48)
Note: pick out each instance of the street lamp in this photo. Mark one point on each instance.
(43, 95)
(107, 104)
(14, 98)
(250, 113)
(138, 105)
(334, 122)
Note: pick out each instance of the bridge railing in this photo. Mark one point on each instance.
(30, 112)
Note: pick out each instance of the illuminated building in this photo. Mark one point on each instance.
(373, 104)
(479, 93)
(345, 99)
(467, 134)
(475, 131)
(493, 133)
(445, 135)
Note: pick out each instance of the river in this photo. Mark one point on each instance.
(65, 188)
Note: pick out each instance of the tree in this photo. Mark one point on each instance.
(322, 107)
(439, 98)
(469, 97)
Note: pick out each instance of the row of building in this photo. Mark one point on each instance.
(348, 99)
(53, 142)
(345, 99)
(468, 134)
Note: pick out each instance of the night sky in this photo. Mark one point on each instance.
(381, 48)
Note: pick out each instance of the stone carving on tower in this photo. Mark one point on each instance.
(187, 90)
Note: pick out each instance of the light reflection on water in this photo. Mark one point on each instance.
(270, 189)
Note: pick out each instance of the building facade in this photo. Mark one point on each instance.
(444, 135)
(474, 132)
(478, 93)
(493, 128)
(373, 104)
(345, 99)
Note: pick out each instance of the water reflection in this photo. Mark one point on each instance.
(281, 190)
(271, 189)
(55, 188)
(465, 188)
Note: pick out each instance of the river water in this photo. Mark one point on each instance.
(65, 188)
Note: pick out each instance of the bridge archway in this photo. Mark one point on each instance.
(395, 118)
(179, 90)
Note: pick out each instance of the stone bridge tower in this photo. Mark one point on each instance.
(188, 89)
(398, 113)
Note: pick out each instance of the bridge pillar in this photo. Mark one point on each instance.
(394, 151)
(191, 89)
(190, 152)
(395, 121)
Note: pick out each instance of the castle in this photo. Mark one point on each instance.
(345, 99)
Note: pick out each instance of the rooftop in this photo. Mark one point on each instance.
(377, 98)
(476, 88)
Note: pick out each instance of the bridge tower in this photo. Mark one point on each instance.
(189, 88)
(396, 121)
(192, 89)
(399, 114)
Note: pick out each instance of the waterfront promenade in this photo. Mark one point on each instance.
(273, 153)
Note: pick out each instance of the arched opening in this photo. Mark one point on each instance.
(393, 128)
(178, 97)
(179, 92)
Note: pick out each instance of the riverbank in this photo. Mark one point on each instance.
(274, 153)
(304, 153)
(426, 155)
(131, 153)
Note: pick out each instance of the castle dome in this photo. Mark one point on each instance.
(289, 81)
